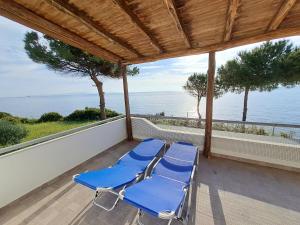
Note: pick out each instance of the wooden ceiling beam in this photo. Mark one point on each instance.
(22, 15)
(138, 23)
(179, 26)
(283, 11)
(280, 33)
(65, 7)
(231, 16)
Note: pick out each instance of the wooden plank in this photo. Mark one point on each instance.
(179, 26)
(67, 8)
(126, 101)
(209, 103)
(138, 23)
(20, 14)
(279, 33)
(231, 16)
(283, 11)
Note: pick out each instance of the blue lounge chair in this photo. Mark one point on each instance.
(164, 193)
(128, 169)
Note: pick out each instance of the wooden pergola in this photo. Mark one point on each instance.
(139, 31)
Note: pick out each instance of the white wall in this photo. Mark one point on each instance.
(285, 156)
(143, 128)
(29, 168)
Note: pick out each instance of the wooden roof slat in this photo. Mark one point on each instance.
(19, 13)
(231, 16)
(179, 26)
(64, 6)
(138, 23)
(212, 26)
(220, 46)
(283, 11)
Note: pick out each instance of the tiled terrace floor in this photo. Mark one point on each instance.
(227, 192)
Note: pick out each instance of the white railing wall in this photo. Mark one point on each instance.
(285, 156)
(143, 128)
(26, 169)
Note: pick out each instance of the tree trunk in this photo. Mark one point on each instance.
(99, 86)
(245, 104)
(198, 111)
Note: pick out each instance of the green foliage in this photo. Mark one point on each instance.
(4, 114)
(258, 69)
(11, 133)
(111, 113)
(16, 119)
(89, 114)
(289, 73)
(263, 68)
(176, 122)
(239, 128)
(50, 117)
(160, 114)
(196, 86)
(61, 57)
(289, 135)
(28, 120)
(65, 58)
(38, 130)
(11, 119)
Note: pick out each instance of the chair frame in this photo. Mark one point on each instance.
(170, 216)
(100, 191)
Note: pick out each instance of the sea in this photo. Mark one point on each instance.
(279, 106)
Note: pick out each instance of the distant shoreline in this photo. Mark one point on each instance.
(72, 94)
(131, 92)
(280, 106)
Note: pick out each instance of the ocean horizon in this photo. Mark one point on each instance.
(279, 106)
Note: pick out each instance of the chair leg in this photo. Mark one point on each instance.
(99, 196)
(140, 214)
(103, 207)
(170, 221)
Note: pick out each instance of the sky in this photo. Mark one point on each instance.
(20, 76)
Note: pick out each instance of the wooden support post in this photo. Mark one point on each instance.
(209, 103)
(126, 101)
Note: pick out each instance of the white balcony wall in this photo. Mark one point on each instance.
(284, 156)
(29, 168)
(143, 128)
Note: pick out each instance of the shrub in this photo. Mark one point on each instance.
(28, 121)
(79, 115)
(51, 116)
(110, 113)
(160, 114)
(89, 114)
(4, 114)
(11, 119)
(11, 133)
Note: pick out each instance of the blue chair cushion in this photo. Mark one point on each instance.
(113, 177)
(182, 151)
(143, 153)
(174, 169)
(125, 170)
(156, 194)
